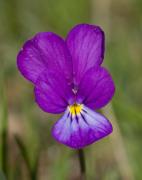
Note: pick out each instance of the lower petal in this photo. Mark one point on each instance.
(81, 128)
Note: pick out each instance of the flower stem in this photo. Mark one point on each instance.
(82, 164)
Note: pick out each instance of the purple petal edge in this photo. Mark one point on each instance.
(45, 50)
(86, 44)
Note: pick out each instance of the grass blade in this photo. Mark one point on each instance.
(33, 171)
(4, 129)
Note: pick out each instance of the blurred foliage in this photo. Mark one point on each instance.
(20, 20)
(2, 176)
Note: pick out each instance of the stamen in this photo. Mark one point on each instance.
(75, 109)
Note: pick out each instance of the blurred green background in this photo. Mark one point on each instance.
(27, 150)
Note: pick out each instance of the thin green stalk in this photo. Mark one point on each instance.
(33, 171)
(82, 164)
(4, 129)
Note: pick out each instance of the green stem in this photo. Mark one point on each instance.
(4, 130)
(82, 164)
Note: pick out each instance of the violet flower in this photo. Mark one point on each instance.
(68, 77)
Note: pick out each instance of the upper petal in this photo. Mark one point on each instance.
(45, 50)
(52, 93)
(80, 130)
(86, 45)
(96, 88)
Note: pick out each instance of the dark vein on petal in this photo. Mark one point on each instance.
(84, 111)
(84, 119)
(76, 117)
(71, 118)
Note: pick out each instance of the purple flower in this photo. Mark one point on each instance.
(68, 77)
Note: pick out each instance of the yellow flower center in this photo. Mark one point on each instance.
(75, 109)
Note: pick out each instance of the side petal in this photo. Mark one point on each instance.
(86, 44)
(45, 50)
(96, 88)
(52, 93)
(82, 129)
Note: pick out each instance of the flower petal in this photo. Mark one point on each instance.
(96, 88)
(45, 50)
(82, 129)
(52, 92)
(86, 45)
